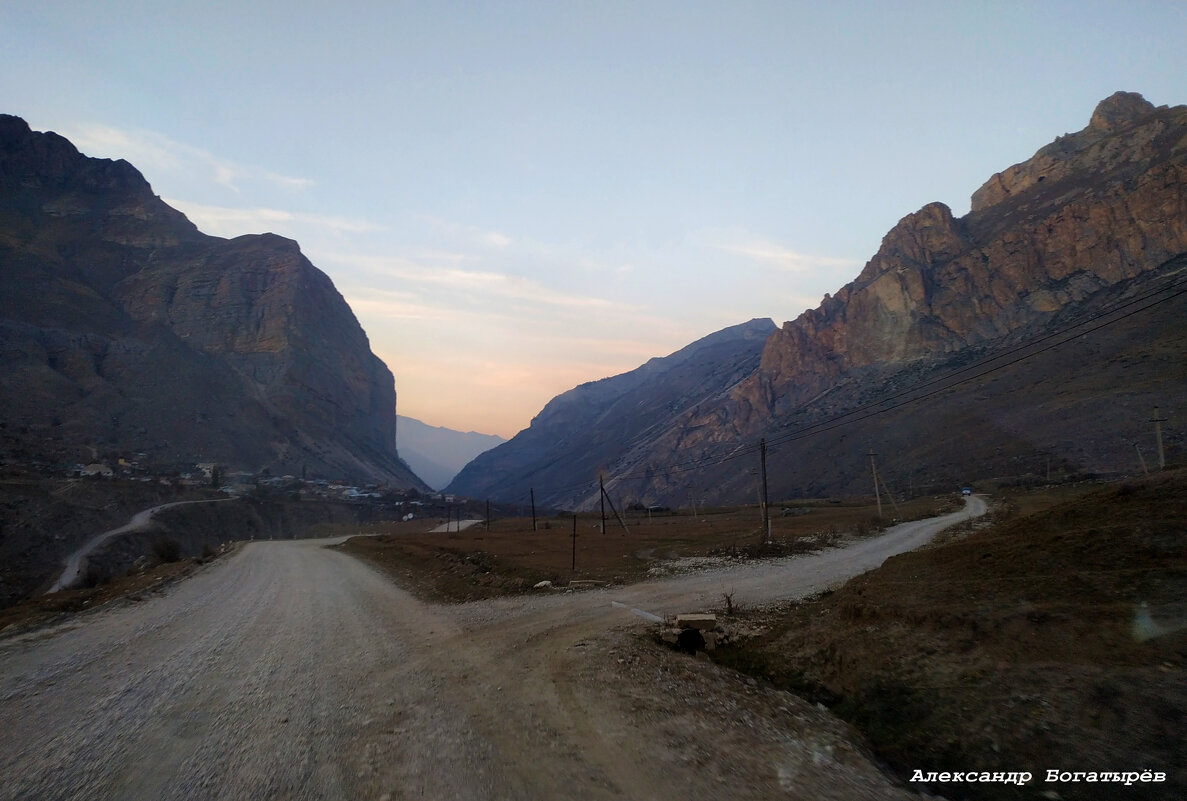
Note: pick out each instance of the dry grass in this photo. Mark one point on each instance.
(511, 557)
(1022, 646)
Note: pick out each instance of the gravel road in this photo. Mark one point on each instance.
(292, 671)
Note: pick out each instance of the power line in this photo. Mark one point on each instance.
(987, 366)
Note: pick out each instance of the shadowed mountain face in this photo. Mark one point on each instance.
(585, 430)
(127, 331)
(1095, 220)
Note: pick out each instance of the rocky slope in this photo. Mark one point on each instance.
(586, 429)
(1096, 217)
(126, 332)
(1087, 211)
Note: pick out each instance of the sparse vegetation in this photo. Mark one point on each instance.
(446, 567)
(1053, 638)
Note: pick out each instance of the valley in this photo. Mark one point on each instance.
(241, 682)
(222, 579)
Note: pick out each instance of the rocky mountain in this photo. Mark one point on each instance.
(1092, 222)
(436, 453)
(126, 332)
(585, 430)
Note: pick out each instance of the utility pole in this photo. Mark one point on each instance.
(602, 488)
(766, 507)
(488, 515)
(607, 499)
(877, 492)
(1158, 420)
(1142, 459)
(533, 493)
(573, 566)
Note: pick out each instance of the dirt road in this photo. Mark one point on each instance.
(76, 564)
(292, 671)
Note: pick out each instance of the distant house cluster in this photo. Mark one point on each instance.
(207, 474)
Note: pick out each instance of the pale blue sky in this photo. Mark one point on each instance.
(519, 197)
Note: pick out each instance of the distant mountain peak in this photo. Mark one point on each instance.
(437, 453)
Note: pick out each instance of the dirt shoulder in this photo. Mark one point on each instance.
(1052, 640)
(134, 586)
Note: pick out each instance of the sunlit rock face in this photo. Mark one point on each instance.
(1086, 211)
(1084, 221)
(126, 330)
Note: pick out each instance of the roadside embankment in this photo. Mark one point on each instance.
(189, 530)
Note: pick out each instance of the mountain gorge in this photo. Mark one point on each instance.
(128, 333)
(1089, 226)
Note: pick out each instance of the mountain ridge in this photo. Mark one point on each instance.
(1088, 212)
(633, 403)
(128, 331)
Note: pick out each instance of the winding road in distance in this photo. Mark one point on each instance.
(75, 565)
(292, 671)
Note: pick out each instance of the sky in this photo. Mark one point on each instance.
(518, 197)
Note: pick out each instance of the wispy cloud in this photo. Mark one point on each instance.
(481, 282)
(783, 258)
(229, 221)
(471, 234)
(156, 153)
(394, 305)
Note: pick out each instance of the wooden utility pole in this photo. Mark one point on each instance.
(533, 494)
(1142, 459)
(766, 508)
(1158, 420)
(877, 492)
(573, 566)
(609, 500)
(488, 515)
(602, 488)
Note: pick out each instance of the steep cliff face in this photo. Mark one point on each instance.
(126, 330)
(1094, 218)
(1087, 211)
